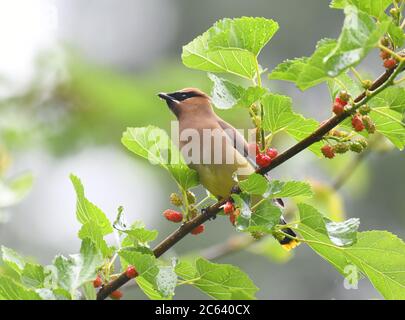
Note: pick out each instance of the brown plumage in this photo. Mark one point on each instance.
(193, 110)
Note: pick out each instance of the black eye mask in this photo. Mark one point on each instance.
(181, 96)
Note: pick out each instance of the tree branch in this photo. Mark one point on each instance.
(209, 213)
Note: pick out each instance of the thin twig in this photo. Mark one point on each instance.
(209, 213)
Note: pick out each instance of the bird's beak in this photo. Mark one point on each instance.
(165, 96)
(172, 103)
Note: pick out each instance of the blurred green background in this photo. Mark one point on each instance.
(74, 74)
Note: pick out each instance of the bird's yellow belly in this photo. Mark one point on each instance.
(218, 178)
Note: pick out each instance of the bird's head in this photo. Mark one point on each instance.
(187, 101)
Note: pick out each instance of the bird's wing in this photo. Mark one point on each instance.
(240, 144)
(237, 140)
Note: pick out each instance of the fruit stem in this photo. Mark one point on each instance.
(262, 134)
(356, 74)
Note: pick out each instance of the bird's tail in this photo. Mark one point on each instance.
(287, 242)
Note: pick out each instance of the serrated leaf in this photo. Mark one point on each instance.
(335, 86)
(91, 231)
(143, 261)
(396, 34)
(306, 72)
(278, 116)
(155, 145)
(247, 33)
(280, 189)
(87, 212)
(339, 233)
(230, 46)
(77, 269)
(315, 71)
(359, 35)
(139, 234)
(226, 95)
(220, 281)
(289, 70)
(12, 290)
(264, 217)
(136, 232)
(312, 228)
(149, 289)
(388, 110)
(256, 184)
(391, 124)
(374, 8)
(33, 275)
(379, 255)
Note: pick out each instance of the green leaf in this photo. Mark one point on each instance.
(315, 71)
(306, 72)
(388, 109)
(144, 262)
(89, 291)
(380, 256)
(92, 231)
(256, 184)
(279, 189)
(335, 86)
(339, 233)
(219, 281)
(87, 212)
(374, 8)
(95, 224)
(265, 217)
(226, 95)
(312, 228)
(278, 116)
(359, 35)
(397, 34)
(141, 234)
(33, 275)
(13, 191)
(230, 46)
(137, 232)
(247, 33)
(155, 145)
(392, 97)
(157, 282)
(391, 124)
(77, 269)
(11, 290)
(149, 289)
(289, 70)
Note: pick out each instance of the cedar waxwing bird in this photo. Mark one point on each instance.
(210, 145)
